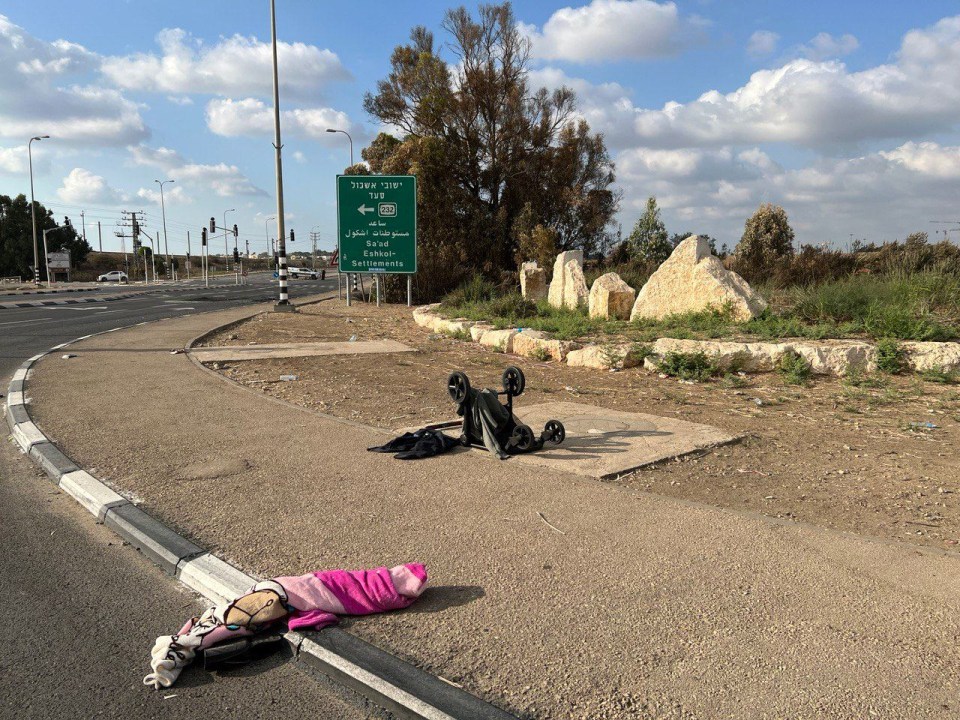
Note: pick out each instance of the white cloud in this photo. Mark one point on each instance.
(299, 157)
(36, 99)
(180, 99)
(822, 103)
(13, 159)
(171, 196)
(236, 65)
(82, 187)
(824, 46)
(762, 42)
(881, 195)
(250, 116)
(225, 180)
(614, 30)
(928, 159)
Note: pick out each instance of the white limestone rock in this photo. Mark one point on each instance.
(533, 281)
(611, 297)
(692, 279)
(568, 287)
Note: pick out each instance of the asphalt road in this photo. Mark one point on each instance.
(79, 602)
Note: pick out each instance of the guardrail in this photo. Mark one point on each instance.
(10, 280)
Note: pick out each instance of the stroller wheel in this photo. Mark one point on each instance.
(465, 441)
(554, 432)
(522, 437)
(513, 381)
(458, 386)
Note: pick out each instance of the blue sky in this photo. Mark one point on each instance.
(846, 113)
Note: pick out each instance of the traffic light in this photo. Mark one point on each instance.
(236, 255)
(203, 237)
(291, 235)
(213, 225)
(235, 230)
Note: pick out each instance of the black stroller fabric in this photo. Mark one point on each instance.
(423, 443)
(483, 412)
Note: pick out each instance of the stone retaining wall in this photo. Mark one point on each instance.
(826, 357)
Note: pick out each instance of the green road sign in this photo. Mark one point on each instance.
(377, 223)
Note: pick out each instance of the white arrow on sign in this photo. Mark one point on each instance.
(363, 209)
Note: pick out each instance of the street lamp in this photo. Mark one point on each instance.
(33, 212)
(226, 252)
(334, 130)
(166, 247)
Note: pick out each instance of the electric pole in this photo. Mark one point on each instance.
(283, 304)
(100, 236)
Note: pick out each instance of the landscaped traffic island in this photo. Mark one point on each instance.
(694, 318)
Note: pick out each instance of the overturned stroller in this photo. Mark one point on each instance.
(492, 424)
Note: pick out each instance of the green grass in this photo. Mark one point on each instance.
(698, 367)
(941, 376)
(891, 356)
(890, 308)
(795, 369)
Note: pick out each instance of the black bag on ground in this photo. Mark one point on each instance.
(422, 443)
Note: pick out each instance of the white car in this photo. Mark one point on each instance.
(113, 276)
(296, 272)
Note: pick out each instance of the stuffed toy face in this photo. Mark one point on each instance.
(254, 610)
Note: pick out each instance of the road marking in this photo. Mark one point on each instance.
(65, 307)
(19, 322)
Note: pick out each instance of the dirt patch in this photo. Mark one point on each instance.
(873, 456)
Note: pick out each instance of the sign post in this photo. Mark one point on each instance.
(376, 225)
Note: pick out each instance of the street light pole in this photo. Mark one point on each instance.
(334, 130)
(283, 304)
(163, 208)
(33, 212)
(226, 252)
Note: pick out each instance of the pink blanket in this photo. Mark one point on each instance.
(316, 599)
(310, 601)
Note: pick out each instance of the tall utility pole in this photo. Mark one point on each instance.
(33, 211)
(83, 225)
(100, 236)
(166, 247)
(314, 237)
(188, 254)
(283, 304)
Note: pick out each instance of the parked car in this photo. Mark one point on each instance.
(296, 272)
(114, 276)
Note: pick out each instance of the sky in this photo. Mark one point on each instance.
(845, 113)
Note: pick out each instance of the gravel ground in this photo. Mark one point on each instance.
(833, 454)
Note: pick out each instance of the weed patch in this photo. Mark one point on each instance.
(688, 366)
(794, 368)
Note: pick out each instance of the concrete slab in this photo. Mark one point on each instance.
(603, 443)
(289, 350)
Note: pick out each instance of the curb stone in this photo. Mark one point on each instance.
(382, 678)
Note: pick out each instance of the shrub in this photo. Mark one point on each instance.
(639, 352)
(513, 306)
(794, 368)
(891, 356)
(688, 366)
(649, 241)
(475, 290)
(939, 375)
(767, 237)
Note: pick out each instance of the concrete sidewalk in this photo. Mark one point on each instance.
(643, 607)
